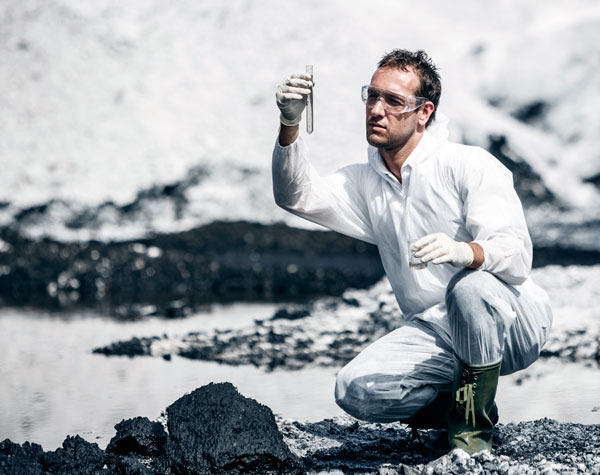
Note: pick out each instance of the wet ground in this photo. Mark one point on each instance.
(86, 344)
(214, 429)
(54, 385)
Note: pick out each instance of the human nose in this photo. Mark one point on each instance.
(379, 107)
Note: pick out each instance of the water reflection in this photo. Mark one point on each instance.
(52, 386)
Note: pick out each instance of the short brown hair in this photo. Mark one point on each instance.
(421, 63)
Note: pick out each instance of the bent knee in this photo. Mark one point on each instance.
(361, 399)
(468, 284)
(379, 398)
(468, 290)
(349, 391)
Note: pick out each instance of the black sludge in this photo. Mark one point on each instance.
(216, 429)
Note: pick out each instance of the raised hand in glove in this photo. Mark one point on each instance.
(291, 97)
(441, 249)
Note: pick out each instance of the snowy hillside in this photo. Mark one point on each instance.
(120, 118)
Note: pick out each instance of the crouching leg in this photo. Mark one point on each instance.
(398, 376)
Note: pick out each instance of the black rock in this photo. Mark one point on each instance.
(76, 456)
(291, 313)
(129, 465)
(136, 465)
(215, 430)
(134, 347)
(22, 459)
(138, 436)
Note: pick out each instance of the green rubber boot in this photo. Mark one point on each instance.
(473, 413)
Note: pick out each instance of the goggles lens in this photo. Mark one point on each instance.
(392, 101)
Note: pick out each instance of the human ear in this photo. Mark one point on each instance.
(425, 112)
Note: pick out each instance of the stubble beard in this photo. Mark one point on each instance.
(389, 143)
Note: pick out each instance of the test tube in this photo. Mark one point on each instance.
(309, 104)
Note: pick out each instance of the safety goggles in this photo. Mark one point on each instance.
(392, 101)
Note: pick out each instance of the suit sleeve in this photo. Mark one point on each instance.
(335, 201)
(494, 216)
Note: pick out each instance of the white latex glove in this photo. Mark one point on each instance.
(441, 249)
(291, 97)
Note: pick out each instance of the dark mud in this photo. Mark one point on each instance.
(174, 275)
(542, 446)
(214, 429)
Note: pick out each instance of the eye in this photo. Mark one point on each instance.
(395, 101)
(372, 94)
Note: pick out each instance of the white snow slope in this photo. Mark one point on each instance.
(104, 99)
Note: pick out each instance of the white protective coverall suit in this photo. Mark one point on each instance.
(459, 190)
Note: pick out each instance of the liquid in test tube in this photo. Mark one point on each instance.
(309, 104)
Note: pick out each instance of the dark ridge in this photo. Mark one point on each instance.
(528, 184)
(557, 255)
(173, 274)
(33, 211)
(91, 217)
(531, 113)
(173, 191)
(86, 217)
(594, 180)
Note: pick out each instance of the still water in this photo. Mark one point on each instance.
(51, 385)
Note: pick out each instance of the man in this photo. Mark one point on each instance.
(472, 313)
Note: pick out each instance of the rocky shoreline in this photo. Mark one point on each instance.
(215, 429)
(339, 303)
(331, 330)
